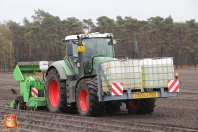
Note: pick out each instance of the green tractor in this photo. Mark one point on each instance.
(91, 81)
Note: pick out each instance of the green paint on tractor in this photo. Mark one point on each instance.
(101, 59)
(65, 66)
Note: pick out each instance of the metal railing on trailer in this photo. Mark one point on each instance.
(129, 77)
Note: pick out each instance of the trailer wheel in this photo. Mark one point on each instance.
(113, 106)
(140, 106)
(19, 103)
(87, 98)
(56, 93)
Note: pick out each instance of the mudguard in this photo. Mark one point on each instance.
(62, 68)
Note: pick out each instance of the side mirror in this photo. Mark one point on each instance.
(135, 47)
(70, 49)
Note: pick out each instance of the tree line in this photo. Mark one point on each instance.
(41, 38)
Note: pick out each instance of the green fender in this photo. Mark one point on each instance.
(62, 68)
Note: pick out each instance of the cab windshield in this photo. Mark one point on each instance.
(98, 46)
(95, 47)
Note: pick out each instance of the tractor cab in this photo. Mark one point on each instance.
(97, 48)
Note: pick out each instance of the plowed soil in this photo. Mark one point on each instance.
(176, 114)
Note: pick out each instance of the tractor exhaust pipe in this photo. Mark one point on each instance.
(135, 49)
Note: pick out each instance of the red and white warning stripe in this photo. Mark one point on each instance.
(34, 92)
(117, 89)
(173, 85)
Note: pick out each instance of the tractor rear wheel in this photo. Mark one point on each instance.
(19, 103)
(56, 93)
(140, 106)
(113, 106)
(87, 98)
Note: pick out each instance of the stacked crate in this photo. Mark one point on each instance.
(127, 72)
(137, 73)
(156, 72)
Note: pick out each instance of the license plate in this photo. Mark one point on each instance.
(145, 95)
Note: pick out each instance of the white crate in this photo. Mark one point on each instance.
(128, 72)
(156, 72)
(137, 74)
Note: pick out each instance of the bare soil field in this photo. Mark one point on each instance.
(178, 114)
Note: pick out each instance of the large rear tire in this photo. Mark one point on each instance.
(87, 98)
(56, 93)
(113, 106)
(140, 106)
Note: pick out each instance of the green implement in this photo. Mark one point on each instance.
(32, 82)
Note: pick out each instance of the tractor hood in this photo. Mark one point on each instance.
(101, 59)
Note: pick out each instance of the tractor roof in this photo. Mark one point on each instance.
(90, 35)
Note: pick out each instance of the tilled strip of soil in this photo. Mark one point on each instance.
(66, 121)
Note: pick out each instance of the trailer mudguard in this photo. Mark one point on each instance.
(62, 68)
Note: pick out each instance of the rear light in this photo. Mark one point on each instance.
(176, 75)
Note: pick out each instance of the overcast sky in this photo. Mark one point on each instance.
(180, 10)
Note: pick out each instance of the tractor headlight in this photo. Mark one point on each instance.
(83, 36)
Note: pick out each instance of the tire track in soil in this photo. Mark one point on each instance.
(9, 83)
(45, 120)
(3, 103)
(48, 120)
(70, 123)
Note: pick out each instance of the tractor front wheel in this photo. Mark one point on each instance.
(87, 98)
(56, 93)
